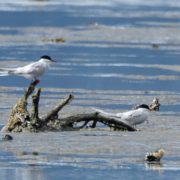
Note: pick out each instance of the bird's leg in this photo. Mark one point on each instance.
(36, 81)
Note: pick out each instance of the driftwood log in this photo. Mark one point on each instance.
(22, 120)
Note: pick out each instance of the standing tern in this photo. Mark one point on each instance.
(31, 71)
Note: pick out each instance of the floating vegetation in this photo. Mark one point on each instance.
(35, 153)
(154, 45)
(25, 153)
(56, 40)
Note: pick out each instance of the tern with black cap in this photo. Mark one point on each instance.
(133, 117)
(31, 71)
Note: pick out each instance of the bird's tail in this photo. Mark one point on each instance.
(6, 71)
(103, 112)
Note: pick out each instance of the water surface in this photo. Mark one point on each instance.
(116, 54)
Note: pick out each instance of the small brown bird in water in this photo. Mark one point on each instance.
(155, 156)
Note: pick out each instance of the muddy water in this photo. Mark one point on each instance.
(116, 54)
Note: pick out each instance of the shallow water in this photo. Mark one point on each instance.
(116, 54)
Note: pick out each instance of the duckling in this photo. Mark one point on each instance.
(155, 156)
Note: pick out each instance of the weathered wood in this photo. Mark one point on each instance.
(35, 120)
(86, 118)
(21, 120)
(115, 123)
(19, 115)
(53, 114)
(154, 106)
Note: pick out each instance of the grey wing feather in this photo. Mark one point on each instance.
(133, 117)
(34, 69)
(106, 113)
(117, 117)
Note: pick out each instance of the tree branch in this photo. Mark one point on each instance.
(53, 114)
(35, 107)
(109, 121)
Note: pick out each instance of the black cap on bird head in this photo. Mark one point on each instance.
(145, 106)
(47, 57)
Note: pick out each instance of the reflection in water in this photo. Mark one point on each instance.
(17, 173)
(155, 166)
(30, 173)
(39, 0)
(110, 64)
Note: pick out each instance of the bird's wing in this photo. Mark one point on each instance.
(33, 68)
(104, 113)
(117, 117)
(133, 117)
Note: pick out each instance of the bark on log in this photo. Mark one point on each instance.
(19, 116)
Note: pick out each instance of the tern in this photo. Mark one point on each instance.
(31, 71)
(133, 117)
